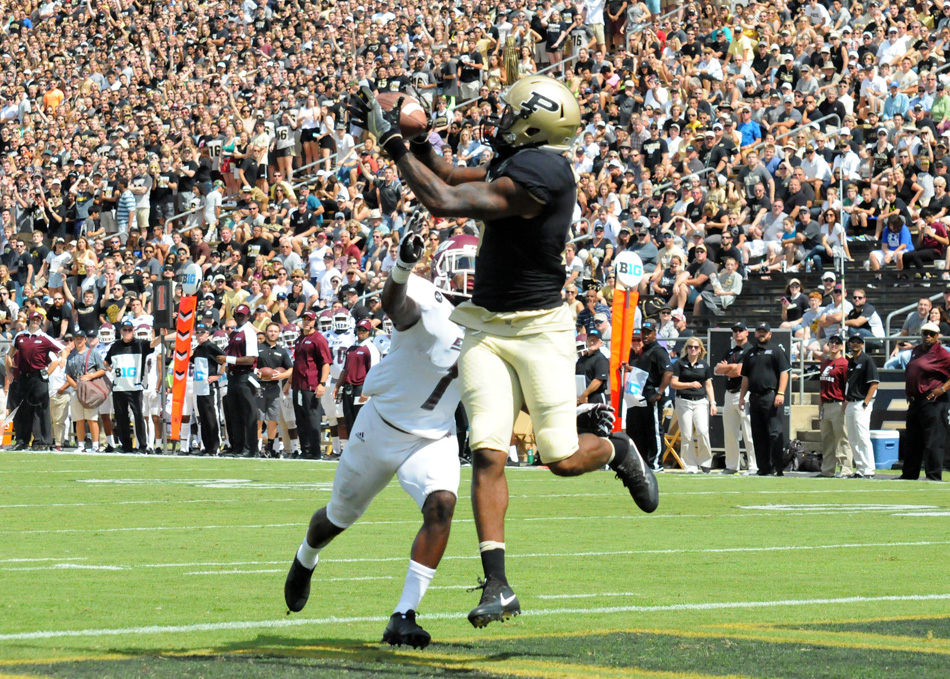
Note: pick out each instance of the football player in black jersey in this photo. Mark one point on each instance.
(519, 347)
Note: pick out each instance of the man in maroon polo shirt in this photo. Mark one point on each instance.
(834, 437)
(309, 381)
(31, 354)
(927, 381)
(359, 359)
(240, 403)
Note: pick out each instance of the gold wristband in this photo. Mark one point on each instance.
(781, 393)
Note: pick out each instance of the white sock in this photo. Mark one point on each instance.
(95, 446)
(295, 445)
(81, 447)
(418, 578)
(111, 440)
(307, 555)
(186, 437)
(342, 447)
(513, 453)
(335, 441)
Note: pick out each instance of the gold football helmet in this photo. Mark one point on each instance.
(540, 112)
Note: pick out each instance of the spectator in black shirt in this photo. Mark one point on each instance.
(794, 305)
(256, 246)
(21, 269)
(652, 372)
(87, 311)
(59, 316)
(691, 283)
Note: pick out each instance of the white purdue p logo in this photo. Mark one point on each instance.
(540, 102)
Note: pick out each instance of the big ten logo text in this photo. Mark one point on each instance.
(629, 269)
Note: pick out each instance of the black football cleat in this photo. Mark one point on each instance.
(636, 476)
(498, 602)
(403, 630)
(297, 586)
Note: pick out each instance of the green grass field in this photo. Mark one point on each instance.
(116, 566)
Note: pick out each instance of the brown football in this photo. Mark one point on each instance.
(268, 374)
(412, 120)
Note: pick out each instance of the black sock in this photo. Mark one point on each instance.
(493, 563)
(621, 450)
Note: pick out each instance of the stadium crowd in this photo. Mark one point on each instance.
(718, 142)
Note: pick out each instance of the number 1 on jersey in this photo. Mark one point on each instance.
(440, 388)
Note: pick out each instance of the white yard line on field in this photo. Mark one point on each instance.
(591, 595)
(52, 558)
(43, 505)
(285, 622)
(843, 510)
(641, 552)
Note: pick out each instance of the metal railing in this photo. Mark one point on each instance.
(654, 19)
(800, 371)
(809, 124)
(902, 310)
(231, 209)
(700, 173)
(469, 102)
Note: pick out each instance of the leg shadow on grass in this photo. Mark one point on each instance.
(802, 652)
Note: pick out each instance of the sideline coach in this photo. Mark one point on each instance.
(764, 379)
(309, 382)
(927, 382)
(30, 353)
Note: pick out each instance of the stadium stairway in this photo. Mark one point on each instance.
(761, 295)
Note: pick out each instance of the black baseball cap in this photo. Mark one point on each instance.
(648, 326)
(764, 326)
(856, 338)
(201, 327)
(739, 326)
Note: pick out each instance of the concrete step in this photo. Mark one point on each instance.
(808, 435)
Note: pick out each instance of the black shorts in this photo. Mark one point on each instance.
(269, 407)
(326, 142)
(284, 153)
(262, 172)
(309, 134)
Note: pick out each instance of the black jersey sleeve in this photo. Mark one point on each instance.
(540, 174)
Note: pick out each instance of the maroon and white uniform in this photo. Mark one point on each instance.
(311, 353)
(243, 342)
(407, 428)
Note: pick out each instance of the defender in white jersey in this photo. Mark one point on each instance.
(407, 430)
(340, 338)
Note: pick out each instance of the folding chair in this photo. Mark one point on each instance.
(523, 436)
(671, 442)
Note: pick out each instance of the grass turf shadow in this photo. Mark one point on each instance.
(273, 657)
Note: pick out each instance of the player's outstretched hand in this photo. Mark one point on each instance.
(595, 418)
(366, 112)
(410, 249)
